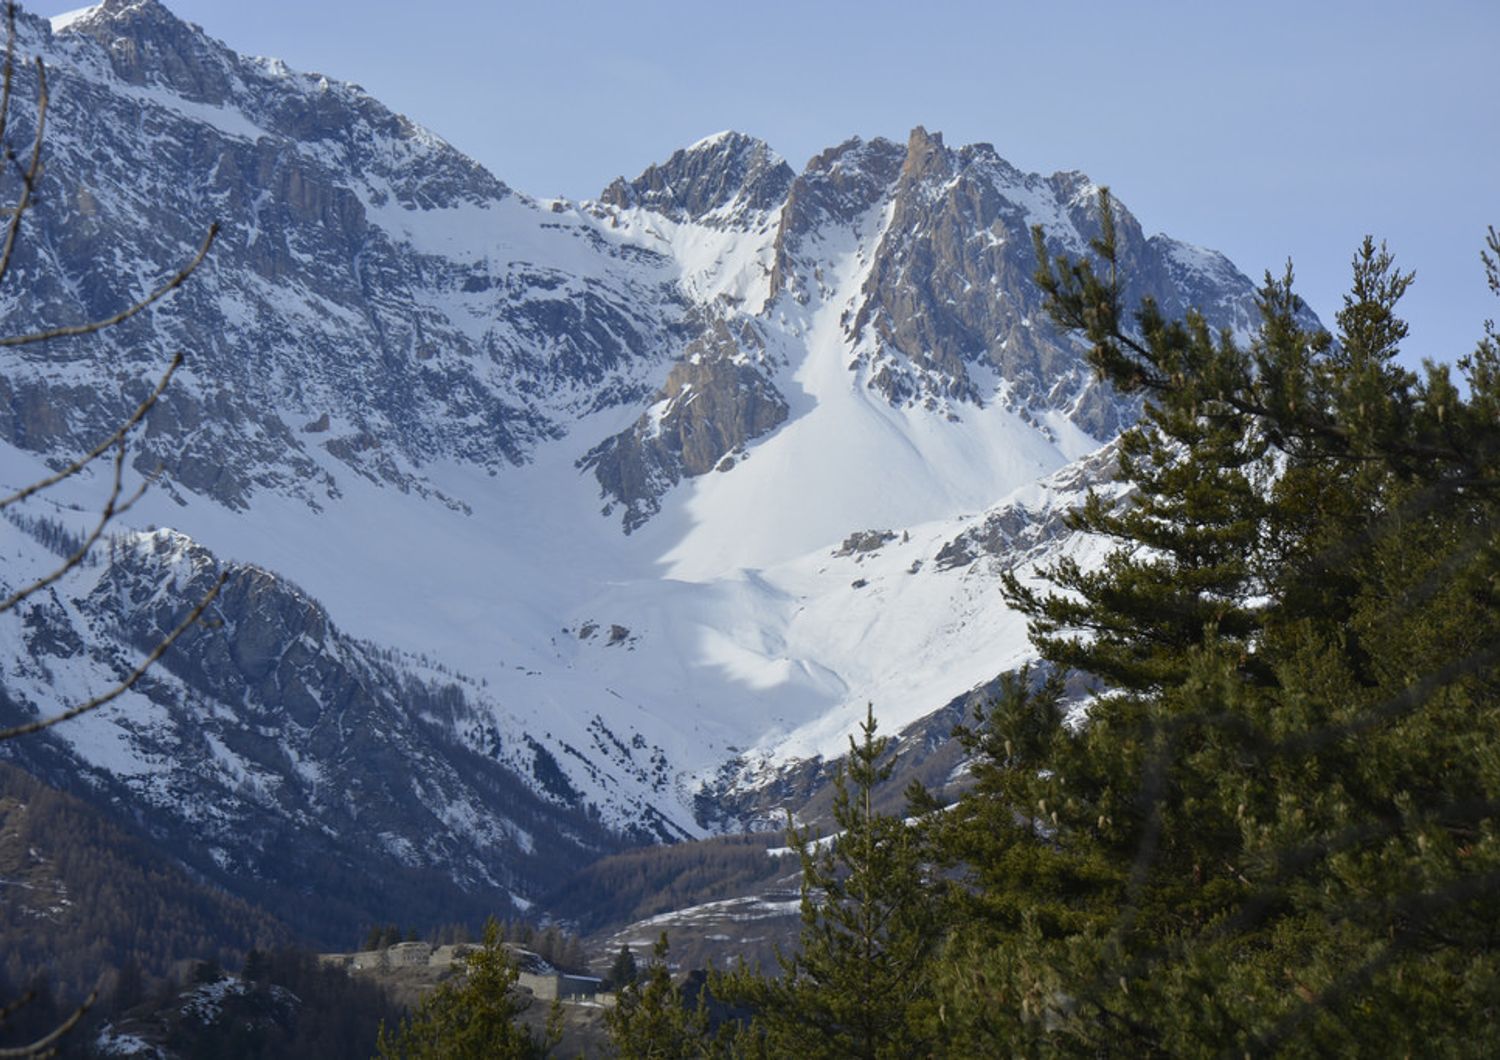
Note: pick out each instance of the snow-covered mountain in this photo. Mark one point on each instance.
(551, 525)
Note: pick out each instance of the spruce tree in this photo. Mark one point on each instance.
(858, 983)
(1277, 830)
(623, 971)
(650, 1020)
(474, 1016)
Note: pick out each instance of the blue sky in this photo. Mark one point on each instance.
(1267, 130)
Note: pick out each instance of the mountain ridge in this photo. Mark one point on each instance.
(568, 483)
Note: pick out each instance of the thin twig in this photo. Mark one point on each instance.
(112, 509)
(28, 178)
(71, 330)
(43, 1044)
(10, 54)
(103, 447)
(135, 675)
(10, 1008)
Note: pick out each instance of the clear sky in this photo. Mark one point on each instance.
(1265, 130)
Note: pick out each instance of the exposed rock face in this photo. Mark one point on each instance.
(951, 289)
(717, 181)
(837, 188)
(864, 541)
(284, 751)
(716, 400)
(1013, 534)
(950, 303)
(148, 46)
(336, 288)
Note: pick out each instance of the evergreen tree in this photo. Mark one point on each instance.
(256, 967)
(474, 1017)
(858, 984)
(130, 985)
(623, 972)
(650, 1020)
(1277, 830)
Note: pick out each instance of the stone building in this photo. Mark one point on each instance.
(533, 973)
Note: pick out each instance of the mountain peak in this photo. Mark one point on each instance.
(115, 13)
(718, 178)
(148, 45)
(71, 18)
(726, 139)
(921, 139)
(926, 156)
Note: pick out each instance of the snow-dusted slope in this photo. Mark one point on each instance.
(645, 493)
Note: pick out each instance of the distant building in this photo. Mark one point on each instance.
(533, 973)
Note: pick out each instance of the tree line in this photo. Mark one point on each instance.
(553, 943)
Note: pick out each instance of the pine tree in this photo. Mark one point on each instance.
(1277, 830)
(650, 1020)
(472, 1018)
(623, 972)
(858, 984)
(256, 967)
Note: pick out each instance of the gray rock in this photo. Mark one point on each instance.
(727, 179)
(864, 541)
(716, 400)
(344, 769)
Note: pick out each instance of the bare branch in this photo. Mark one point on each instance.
(43, 1045)
(10, 55)
(124, 686)
(123, 315)
(10, 1008)
(103, 447)
(28, 178)
(113, 507)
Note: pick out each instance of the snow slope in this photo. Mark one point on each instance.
(398, 367)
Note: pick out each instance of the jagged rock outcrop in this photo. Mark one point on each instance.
(950, 305)
(715, 401)
(718, 181)
(864, 541)
(837, 188)
(278, 751)
(951, 288)
(1014, 533)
